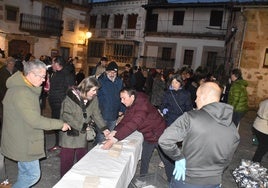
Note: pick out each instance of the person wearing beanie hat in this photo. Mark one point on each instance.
(109, 97)
(112, 66)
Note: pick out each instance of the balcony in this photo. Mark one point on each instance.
(41, 25)
(116, 33)
(189, 27)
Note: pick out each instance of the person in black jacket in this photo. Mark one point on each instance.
(60, 80)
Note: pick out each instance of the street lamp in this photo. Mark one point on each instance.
(88, 35)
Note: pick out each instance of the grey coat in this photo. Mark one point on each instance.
(71, 113)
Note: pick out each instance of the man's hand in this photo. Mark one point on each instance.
(110, 135)
(179, 170)
(65, 127)
(109, 143)
(106, 132)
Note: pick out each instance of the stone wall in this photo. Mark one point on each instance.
(253, 52)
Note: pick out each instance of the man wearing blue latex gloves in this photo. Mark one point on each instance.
(179, 170)
(165, 110)
(209, 139)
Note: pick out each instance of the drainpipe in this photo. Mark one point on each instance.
(243, 37)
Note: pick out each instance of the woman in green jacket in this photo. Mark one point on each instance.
(78, 108)
(238, 96)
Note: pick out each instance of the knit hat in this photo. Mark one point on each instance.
(112, 66)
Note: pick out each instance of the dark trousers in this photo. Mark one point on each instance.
(237, 116)
(147, 151)
(55, 114)
(262, 146)
(68, 156)
(181, 184)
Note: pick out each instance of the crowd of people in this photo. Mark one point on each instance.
(167, 107)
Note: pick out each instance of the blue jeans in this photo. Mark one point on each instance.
(181, 184)
(110, 124)
(28, 174)
(147, 151)
(100, 137)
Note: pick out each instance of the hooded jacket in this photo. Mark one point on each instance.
(143, 117)
(261, 121)
(209, 142)
(23, 125)
(238, 96)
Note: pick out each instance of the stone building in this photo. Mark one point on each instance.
(247, 47)
(44, 27)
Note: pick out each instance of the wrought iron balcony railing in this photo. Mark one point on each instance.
(41, 25)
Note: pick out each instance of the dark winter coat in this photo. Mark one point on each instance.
(60, 81)
(176, 102)
(5, 74)
(143, 117)
(109, 97)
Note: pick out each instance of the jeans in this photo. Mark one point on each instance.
(147, 151)
(181, 184)
(110, 124)
(262, 147)
(28, 174)
(2, 168)
(99, 136)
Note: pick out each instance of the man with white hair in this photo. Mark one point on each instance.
(209, 139)
(22, 134)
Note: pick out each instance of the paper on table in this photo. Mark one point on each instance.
(91, 182)
(116, 149)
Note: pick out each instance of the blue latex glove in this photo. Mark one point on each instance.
(165, 110)
(179, 170)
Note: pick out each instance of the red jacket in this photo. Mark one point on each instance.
(143, 117)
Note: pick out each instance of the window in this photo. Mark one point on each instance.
(151, 25)
(166, 53)
(216, 18)
(70, 25)
(178, 17)
(11, 13)
(92, 21)
(104, 21)
(132, 21)
(188, 57)
(118, 20)
(123, 50)
(211, 61)
(96, 49)
(51, 12)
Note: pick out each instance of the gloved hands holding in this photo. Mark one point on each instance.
(165, 110)
(179, 170)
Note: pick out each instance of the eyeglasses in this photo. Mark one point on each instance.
(40, 76)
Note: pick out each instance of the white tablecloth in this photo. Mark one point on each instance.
(102, 170)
